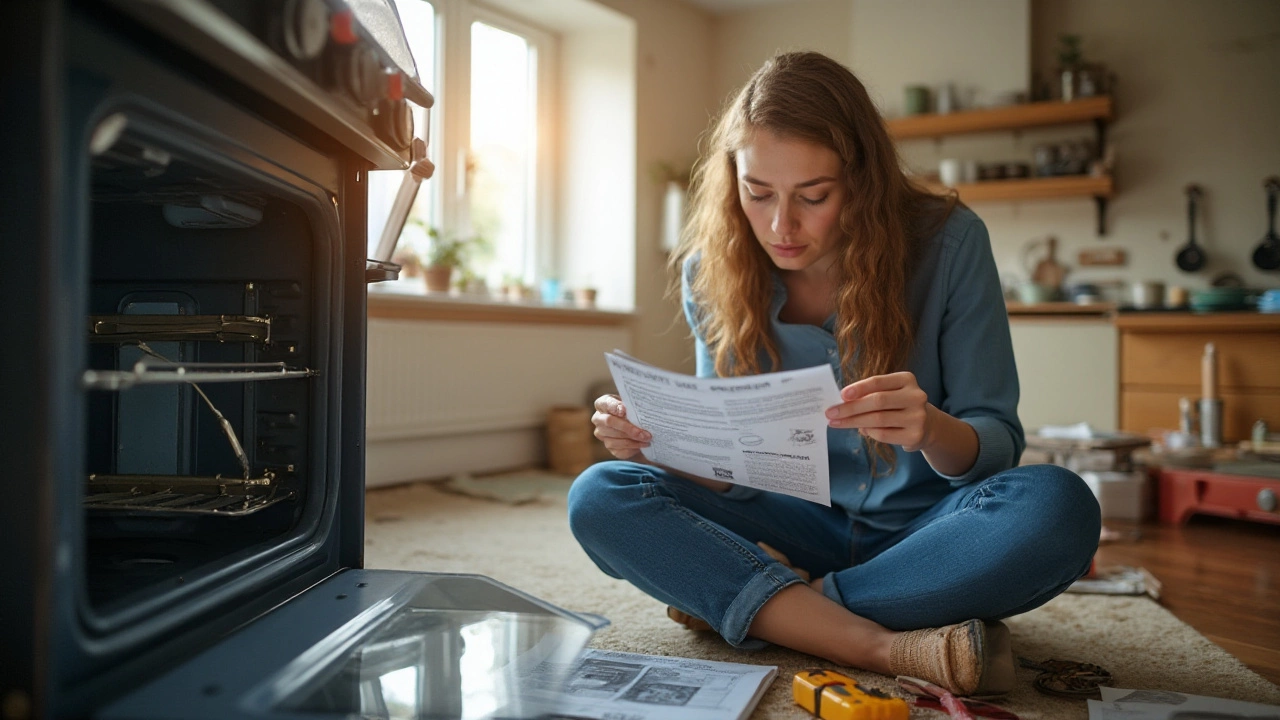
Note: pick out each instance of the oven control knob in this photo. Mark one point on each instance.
(396, 120)
(360, 75)
(305, 26)
(1267, 500)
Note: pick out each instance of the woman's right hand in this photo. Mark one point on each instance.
(619, 436)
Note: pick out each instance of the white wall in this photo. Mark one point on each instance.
(597, 182)
(745, 39)
(447, 397)
(673, 108)
(982, 47)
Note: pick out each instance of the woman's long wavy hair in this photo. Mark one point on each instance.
(808, 96)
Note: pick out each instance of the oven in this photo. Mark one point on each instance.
(184, 283)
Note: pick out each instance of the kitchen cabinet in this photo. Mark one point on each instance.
(1066, 369)
(1097, 110)
(1160, 355)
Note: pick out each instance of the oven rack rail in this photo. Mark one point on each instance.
(147, 371)
(155, 328)
(191, 495)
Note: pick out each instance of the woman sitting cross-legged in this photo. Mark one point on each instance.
(809, 245)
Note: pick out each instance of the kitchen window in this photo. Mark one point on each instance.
(493, 77)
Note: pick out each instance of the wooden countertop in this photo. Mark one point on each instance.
(1060, 309)
(1138, 321)
(1184, 321)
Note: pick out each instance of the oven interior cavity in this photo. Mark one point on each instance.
(201, 363)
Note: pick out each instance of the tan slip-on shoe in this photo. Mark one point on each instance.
(687, 620)
(971, 658)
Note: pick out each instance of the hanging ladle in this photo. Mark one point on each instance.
(1267, 255)
(1191, 258)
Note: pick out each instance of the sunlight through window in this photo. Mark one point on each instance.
(503, 132)
(482, 689)
(400, 693)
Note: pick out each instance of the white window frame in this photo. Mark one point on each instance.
(451, 134)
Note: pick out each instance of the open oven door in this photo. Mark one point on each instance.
(379, 644)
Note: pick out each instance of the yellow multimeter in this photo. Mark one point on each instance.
(832, 696)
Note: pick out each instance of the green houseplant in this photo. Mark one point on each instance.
(444, 255)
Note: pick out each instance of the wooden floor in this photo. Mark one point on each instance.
(1220, 576)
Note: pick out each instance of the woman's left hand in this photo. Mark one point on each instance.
(889, 408)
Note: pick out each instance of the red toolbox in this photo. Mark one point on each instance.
(1184, 492)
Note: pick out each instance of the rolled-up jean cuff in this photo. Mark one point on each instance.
(830, 590)
(743, 609)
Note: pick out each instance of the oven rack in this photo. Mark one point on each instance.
(216, 495)
(152, 328)
(147, 371)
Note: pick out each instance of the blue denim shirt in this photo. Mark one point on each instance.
(963, 360)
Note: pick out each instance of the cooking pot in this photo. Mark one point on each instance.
(1147, 294)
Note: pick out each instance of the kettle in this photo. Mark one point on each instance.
(1047, 272)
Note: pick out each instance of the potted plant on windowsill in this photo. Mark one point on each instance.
(445, 255)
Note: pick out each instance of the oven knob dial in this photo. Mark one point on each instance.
(360, 76)
(396, 120)
(305, 25)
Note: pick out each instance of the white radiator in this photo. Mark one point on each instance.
(446, 397)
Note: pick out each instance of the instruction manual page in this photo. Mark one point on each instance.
(1121, 704)
(626, 686)
(765, 431)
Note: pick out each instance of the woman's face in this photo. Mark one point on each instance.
(792, 196)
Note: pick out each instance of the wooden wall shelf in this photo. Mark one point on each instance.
(1016, 117)
(1099, 188)
(1035, 188)
(1012, 117)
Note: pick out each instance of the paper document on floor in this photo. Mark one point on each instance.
(766, 431)
(606, 684)
(1119, 704)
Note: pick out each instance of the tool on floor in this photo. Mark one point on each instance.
(832, 696)
(1066, 678)
(935, 697)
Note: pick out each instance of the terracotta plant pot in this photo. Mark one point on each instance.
(438, 277)
(584, 297)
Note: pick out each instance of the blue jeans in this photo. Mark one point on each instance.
(988, 550)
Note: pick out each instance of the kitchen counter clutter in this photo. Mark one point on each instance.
(1161, 361)
(1127, 371)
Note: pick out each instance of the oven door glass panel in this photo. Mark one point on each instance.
(381, 644)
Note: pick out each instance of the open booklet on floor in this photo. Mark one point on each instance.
(605, 685)
(766, 431)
